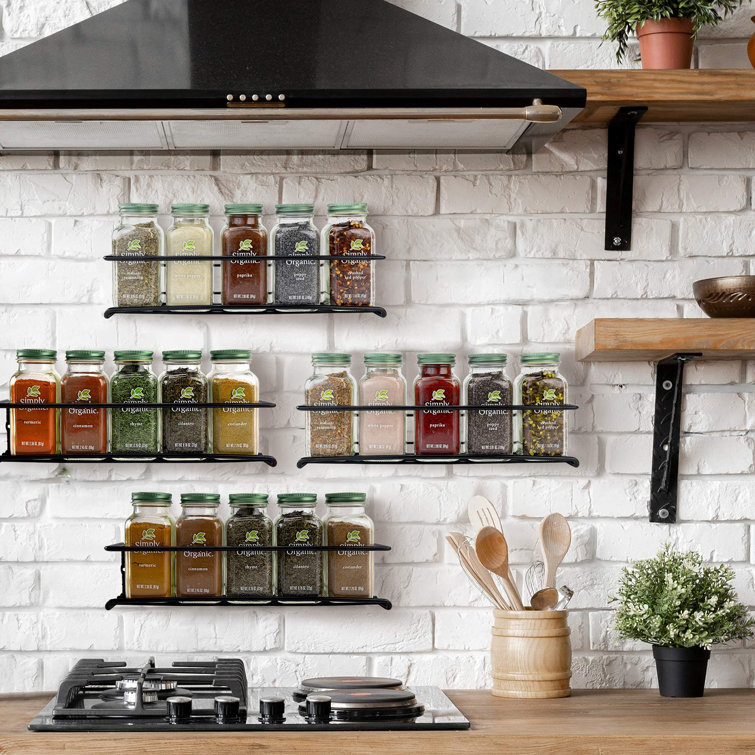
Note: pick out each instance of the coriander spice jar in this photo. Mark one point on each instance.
(185, 426)
(244, 238)
(199, 572)
(235, 430)
(83, 429)
(297, 280)
(34, 430)
(488, 430)
(300, 569)
(188, 282)
(134, 429)
(137, 283)
(382, 432)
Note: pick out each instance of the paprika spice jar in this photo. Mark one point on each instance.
(199, 572)
(436, 431)
(243, 238)
(83, 430)
(235, 430)
(34, 431)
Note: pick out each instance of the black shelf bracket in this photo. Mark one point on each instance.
(620, 178)
(664, 480)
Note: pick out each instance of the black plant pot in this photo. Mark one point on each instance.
(681, 671)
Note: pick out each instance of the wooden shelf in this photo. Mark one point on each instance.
(650, 340)
(670, 96)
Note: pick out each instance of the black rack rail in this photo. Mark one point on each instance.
(434, 407)
(223, 600)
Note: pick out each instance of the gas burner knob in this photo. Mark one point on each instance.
(272, 710)
(179, 709)
(226, 709)
(318, 709)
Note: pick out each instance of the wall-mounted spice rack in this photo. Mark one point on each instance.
(222, 600)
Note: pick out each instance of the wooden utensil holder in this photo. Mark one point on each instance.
(530, 654)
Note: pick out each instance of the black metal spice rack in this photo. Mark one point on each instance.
(223, 600)
(244, 309)
(460, 458)
(126, 458)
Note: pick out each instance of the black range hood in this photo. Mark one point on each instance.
(199, 74)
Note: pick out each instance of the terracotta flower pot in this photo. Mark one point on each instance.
(667, 43)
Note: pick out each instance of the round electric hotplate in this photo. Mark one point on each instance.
(372, 704)
(332, 683)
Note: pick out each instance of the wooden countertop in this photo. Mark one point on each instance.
(591, 722)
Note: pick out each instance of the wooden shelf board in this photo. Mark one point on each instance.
(649, 340)
(670, 96)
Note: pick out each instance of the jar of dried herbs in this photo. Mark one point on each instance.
(188, 282)
(133, 429)
(489, 429)
(540, 432)
(137, 284)
(299, 528)
(297, 280)
(347, 234)
(235, 430)
(349, 573)
(185, 425)
(249, 572)
(330, 433)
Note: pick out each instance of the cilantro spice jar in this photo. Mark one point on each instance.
(185, 427)
(189, 282)
(540, 433)
(382, 432)
(249, 572)
(137, 284)
(488, 430)
(149, 573)
(243, 238)
(83, 430)
(235, 430)
(436, 432)
(297, 280)
(134, 430)
(299, 528)
(199, 572)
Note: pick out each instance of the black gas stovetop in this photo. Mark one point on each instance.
(100, 695)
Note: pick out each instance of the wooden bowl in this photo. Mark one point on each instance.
(728, 296)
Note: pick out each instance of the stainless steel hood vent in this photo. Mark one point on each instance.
(273, 74)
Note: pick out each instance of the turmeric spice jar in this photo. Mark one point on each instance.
(199, 573)
(149, 573)
(34, 430)
(235, 430)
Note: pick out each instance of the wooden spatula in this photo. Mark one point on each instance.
(555, 539)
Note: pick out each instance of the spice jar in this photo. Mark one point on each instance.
(540, 433)
(137, 284)
(297, 281)
(347, 233)
(249, 572)
(382, 432)
(134, 430)
(488, 429)
(298, 528)
(244, 237)
(332, 384)
(234, 430)
(349, 573)
(34, 431)
(199, 572)
(149, 573)
(185, 427)
(436, 431)
(83, 430)
(189, 282)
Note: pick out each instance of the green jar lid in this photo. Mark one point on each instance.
(248, 499)
(182, 356)
(294, 209)
(43, 354)
(221, 354)
(537, 357)
(243, 209)
(161, 498)
(288, 499)
(189, 209)
(436, 358)
(84, 355)
(336, 498)
(328, 357)
(356, 208)
(487, 358)
(138, 208)
(133, 356)
(200, 499)
(383, 357)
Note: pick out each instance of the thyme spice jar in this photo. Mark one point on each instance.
(34, 431)
(189, 282)
(235, 430)
(297, 280)
(382, 432)
(540, 433)
(243, 238)
(300, 569)
(199, 572)
(83, 429)
(137, 284)
(488, 430)
(134, 429)
(249, 572)
(149, 573)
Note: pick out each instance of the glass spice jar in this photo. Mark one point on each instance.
(189, 282)
(347, 234)
(299, 528)
(235, 430)
(382, 432)
(83, 430)
(34, 431)
(199, 572)
(244, 237)
(540, 432)
(349, 573)
(488, 430)
(330, 433)
(137, 284)
(249, 572)
(297, 281)
(149, 573)
(436, 432)
(185, 428)
(134, 430)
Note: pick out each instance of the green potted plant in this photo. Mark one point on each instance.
(666, 29)
(681, 606)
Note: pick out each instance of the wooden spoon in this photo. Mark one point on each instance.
(475, 570)
(545, 599)
(493, 552)
(555, 539)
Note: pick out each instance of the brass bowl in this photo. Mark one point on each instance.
(728, 296)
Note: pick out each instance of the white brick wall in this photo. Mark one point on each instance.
(485, 251)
